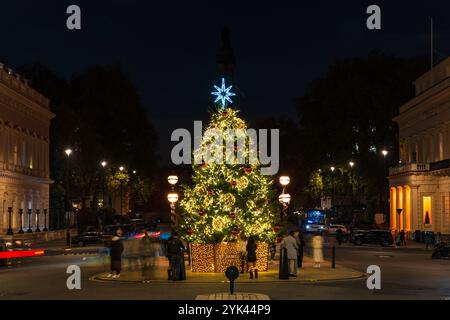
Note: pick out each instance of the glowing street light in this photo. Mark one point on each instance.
(351, 164)
(384, 152)
(284, 198)
(121, 168)
(68, 152)
(173, 180)
(284, 180)
(172, 197)
(103, 164)
(332, 168)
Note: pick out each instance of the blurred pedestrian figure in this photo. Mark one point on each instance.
(132, 252)
(243, 252)
(147, 252)
(116, 248)
(300, 244)
(402, 238)
(273, 250)
(339, 235)
(397, 238)
(251, 256)
(317, 245)
(175, 253)
(290, 244)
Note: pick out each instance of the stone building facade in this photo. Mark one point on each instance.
(420, 184)
(24, 153)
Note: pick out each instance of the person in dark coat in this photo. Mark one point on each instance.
(339, 235)
(175, 254)
(116, 248)
(301, 244)
(251, 257)
(402, 238)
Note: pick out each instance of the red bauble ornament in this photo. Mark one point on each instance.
(233, 215)
(190, 231)
(224, 113)
(233, 183)
(248, 170)
(235, 232)
(203, 164)
(202, 213)
(210, 192)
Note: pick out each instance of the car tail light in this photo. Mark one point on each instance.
(21, 254)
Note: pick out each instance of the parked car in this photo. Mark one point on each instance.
(85, 238)
(441, 251)
(316, 228)
(334, 227)
(381, 237)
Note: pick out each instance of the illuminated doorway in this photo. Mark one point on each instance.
(426, 210)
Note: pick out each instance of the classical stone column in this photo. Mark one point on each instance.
(10, 217)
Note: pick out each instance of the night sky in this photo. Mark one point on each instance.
(169, 48)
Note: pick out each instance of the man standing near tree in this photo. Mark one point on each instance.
(175, 254)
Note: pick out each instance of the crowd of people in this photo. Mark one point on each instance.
(142, 254)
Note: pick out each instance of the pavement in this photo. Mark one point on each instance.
(405, 274)
(306, 274)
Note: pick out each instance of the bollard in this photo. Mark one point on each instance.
(232, 273)
(333, 257)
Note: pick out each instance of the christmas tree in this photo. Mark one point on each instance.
(232, 198)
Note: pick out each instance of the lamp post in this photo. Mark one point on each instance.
(385, 153)
(21, 221)
(284, 197)
(172, 197)
(332, 168)
(121, 191)
(68, 152)
(351, 163)
(10, 232)
(103, 164)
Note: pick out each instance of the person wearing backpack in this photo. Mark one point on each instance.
(175, 249)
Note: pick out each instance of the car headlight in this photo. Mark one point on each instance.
(308, 227)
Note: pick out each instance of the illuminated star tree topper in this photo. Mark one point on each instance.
(223, 94)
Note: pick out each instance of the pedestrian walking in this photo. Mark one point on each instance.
(116, 250)
(317, 246)
(290, 244)
(300, 244)
(175, 254)
(273, 250)
(339, 235)
(402, 238)
(243, 252)
(251, 257)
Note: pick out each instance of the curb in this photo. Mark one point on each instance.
(360, 277)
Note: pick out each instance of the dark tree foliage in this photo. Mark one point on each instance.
(347, 115)
(99, 115)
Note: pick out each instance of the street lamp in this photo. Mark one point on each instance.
(351, 164)
(172, 197)
(121, 168)
(385, 153)
(332, 168)
(284, 197)
(173, 180)
(68, 152)
(103, 164)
